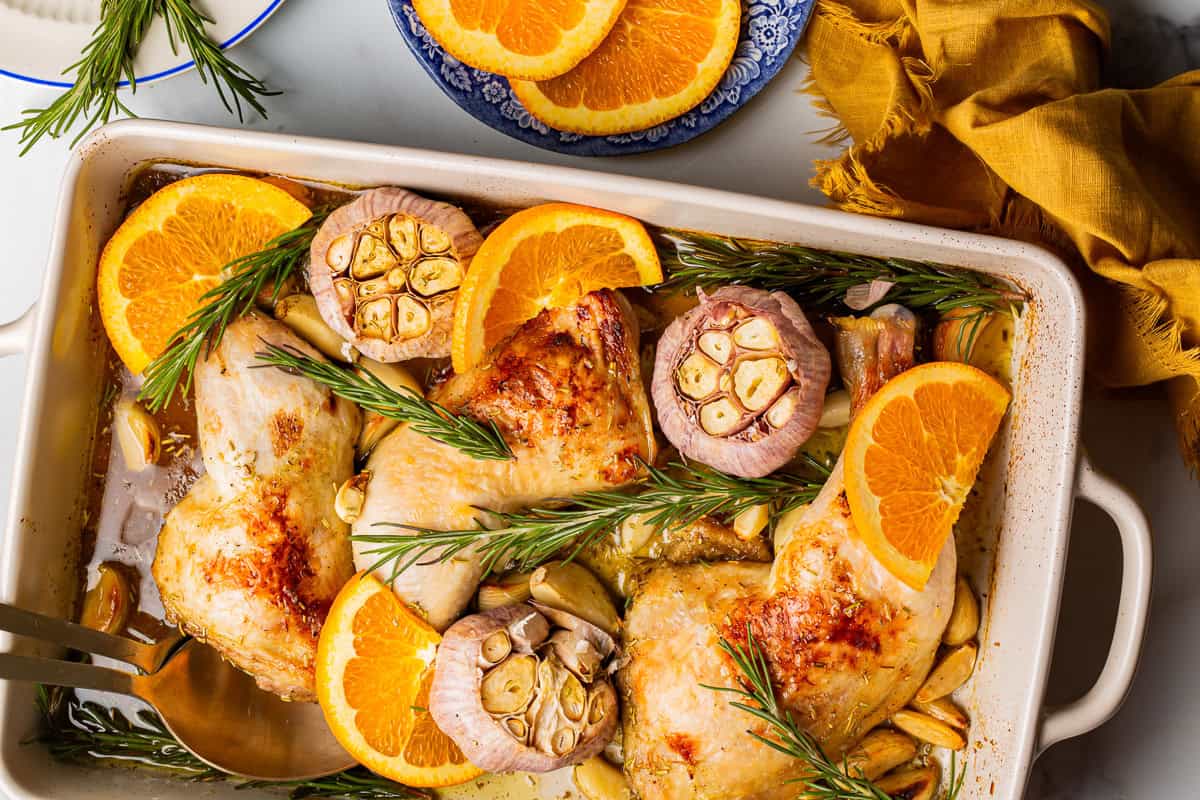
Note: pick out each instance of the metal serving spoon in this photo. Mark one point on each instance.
(214, 709)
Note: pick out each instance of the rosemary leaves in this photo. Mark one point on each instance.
(246, 278)
(826, 780)
(108, 58)
(481, 441)
(77, 730)
(819, 279)
(666, 498)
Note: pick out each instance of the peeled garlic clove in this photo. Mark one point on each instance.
(597, 779)
(393, 298)
(950, 673)
(880, 751)
(964, 619)
(351, 495)
(137, 434)
(108, 604)
(376, 426)
(944, 710)
(508, 687)
(571, 587)
(505, 590)
(739, 381)
(634, 534)
(836, 412)
(920, 783)
(299, 312)
(928, 729)
(750, 523)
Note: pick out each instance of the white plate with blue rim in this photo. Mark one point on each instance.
(770, 32)
(39, 39)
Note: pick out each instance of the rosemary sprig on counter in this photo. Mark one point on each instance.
(479, 440)
(77, 730)
(666, 498)
(818, 279)
(246, 278)
(826, 781)
(108, 58)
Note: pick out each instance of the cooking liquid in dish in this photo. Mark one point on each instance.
(125, 508)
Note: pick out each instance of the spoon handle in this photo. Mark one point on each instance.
(51, 629)
(64, 673)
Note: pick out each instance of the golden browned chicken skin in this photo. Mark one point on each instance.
(252, 558)
(848, 645)
(565, 391)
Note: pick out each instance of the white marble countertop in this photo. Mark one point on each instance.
(346, 73)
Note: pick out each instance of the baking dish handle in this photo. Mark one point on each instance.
(15, 335)
(1106, 696)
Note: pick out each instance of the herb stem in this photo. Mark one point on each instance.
(666, 498)
(482, 441)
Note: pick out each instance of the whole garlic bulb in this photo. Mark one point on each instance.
(516, 692)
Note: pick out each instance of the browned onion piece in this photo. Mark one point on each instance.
(516, 702)
(872, 350)
(739, 381)
(385, 271)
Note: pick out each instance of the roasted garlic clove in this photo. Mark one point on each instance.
(385, 269)
(108, 604)
(571, 587)
(577, 652)
(529, 710)
(836, 412)
(944, 710)
(928, 729)
(299, 312)
(880, 751)
(919, 783)
(508, 687)
(750, 523)
(505, 590)
(597, 779)
(950, 673)
(137, 434)
(739, 381)
(377, 426)
(350, 497)
(964, 619)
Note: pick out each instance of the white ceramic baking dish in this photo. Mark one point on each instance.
(1035, 476)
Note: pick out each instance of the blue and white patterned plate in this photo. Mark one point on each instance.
(770, 31)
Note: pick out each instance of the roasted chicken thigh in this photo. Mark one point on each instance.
(848, 644)
(567, 395)
(253, 556)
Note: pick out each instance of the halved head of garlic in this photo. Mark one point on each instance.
(739, 380)
(525, 688)
(385, 270)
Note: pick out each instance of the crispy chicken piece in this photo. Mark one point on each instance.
(848, 644)
(253, 556)
(565, 391)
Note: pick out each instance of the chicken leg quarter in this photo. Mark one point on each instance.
(848, 645)
(252, 558)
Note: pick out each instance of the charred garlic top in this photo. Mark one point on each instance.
(385, 270)
(739, 381)
(525, 688)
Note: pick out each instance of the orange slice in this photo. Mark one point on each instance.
(533, 39)
(171, 249)
(374, 669)
(661, 59)
(911, 457)
(548, 256)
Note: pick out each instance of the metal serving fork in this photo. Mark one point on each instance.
(215, 710)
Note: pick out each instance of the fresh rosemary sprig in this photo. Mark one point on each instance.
(668, 498)
(818, 279)
(186, 23)
(246, 278)
(105, 60)
(77, 730)
(481, 441)
(825, 781)
(108, 58)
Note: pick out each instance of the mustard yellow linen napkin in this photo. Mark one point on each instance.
(989, 115)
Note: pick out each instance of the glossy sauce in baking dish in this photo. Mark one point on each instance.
(125, 508)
